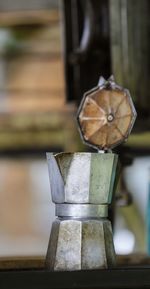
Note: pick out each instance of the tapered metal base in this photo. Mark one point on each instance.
(80, 244)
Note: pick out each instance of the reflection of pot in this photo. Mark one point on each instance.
(81, 186)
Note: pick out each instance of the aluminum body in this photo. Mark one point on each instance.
(82, 178)
(81, 186)
(79, 244)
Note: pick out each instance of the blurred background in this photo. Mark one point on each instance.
(51, 52)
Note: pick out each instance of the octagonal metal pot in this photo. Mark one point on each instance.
(82, 178)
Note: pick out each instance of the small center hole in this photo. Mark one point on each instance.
(110, 117)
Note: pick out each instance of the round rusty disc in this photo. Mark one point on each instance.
(106, 115)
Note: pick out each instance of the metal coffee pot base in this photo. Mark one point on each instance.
(80, 244)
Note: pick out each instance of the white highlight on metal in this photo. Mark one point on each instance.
(78, 178)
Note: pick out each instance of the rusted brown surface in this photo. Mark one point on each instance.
(106, 117)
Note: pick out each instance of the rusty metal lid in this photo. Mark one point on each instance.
(106, 115)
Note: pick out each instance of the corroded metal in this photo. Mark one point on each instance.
(80, 245)
(81, 237)
(106, 115)
(82, 178)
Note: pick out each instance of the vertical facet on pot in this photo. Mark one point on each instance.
(52, 246)
(109, 244)
(56, 180)
(102, 177)
(77, 177)
(68, 253)
(93, 245)
(82, 178)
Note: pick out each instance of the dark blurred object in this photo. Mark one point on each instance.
(129, 33)
(87, 45)
(108, 37)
